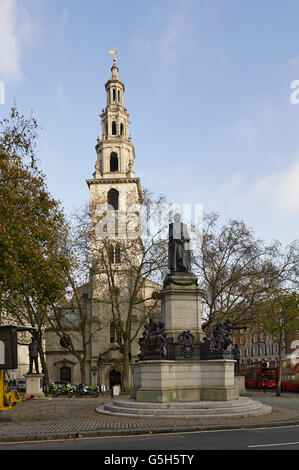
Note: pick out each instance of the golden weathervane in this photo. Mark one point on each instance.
(114, 52)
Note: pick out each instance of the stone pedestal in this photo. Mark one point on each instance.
(34, 386)
(181, 305)
(181, 372)
(179, 375)
(184, 381)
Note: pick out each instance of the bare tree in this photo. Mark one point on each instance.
(237, 271)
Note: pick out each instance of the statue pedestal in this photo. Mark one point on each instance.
(34, 386)
(184, 381)
(183, 373)
(181, 305)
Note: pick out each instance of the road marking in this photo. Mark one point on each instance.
(278, 444)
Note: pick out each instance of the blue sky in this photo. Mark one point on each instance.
(208, 87)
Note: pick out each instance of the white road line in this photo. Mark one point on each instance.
(273, 445)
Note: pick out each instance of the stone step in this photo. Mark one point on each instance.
(130, 403)
(242, 408)
(185, 412)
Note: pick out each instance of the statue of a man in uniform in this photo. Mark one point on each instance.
(179, 247)
(34, 349)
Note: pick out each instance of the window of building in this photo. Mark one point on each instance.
(114, 94)
(117, 253)
(113, 128)
(64, 342)
(113, 162)
(113, 199)
(121, 129)
(112, 332)
(66, 374)
(111, 253)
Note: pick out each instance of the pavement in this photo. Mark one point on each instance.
(68, 418)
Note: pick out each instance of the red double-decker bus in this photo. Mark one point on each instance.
(260, 374)
(290, 375)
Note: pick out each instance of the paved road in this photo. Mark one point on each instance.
(255, 439)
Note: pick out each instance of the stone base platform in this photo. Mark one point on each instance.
(243, 407)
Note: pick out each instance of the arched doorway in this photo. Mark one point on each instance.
(114, 378)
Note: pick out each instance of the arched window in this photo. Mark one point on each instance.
(117, 253)
(113, 128)
(121, 129)
(113, 162)
(118, 93)
(113, 197)
(111, 253)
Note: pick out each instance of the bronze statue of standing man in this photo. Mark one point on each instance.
(34, 349)
(179, 247)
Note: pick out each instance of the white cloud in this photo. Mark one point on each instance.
(280, 190)
(16, 30)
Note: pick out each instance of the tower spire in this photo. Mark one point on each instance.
(115, 150)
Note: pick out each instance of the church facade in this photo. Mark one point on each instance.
(115, 186)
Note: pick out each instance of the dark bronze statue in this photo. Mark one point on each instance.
(221, 338)
(222, 332)
(187, 341)
(34, 349)
(178, 247)
(154, 339)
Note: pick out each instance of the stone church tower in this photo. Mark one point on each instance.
(113, 185)
(112, 189)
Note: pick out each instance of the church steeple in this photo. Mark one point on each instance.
(115, 151)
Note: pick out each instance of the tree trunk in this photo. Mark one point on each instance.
(126, 366)
(45, 369)
(82, 370)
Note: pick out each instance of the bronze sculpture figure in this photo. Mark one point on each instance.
(34, 349)
(179, 258)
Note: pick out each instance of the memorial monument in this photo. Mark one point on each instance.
(180, 371)
(34, 381)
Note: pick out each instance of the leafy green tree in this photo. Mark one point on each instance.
(32, 229)
(280, 317)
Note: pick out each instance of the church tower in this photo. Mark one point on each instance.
(113, 186)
